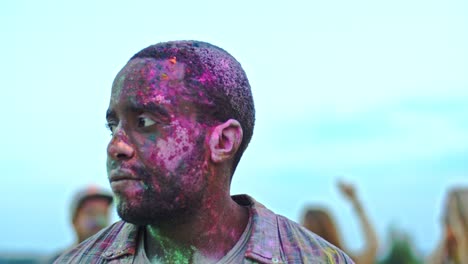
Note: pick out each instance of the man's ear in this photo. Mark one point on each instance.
(225, 140)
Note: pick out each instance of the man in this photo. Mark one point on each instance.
(181, 115)
(90, 212)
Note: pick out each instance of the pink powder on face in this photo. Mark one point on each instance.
(160, 99)
(150, 104)
(179, 146)
(206, 77)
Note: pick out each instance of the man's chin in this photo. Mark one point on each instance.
(134, 219)
(131, 213)
(151, 216)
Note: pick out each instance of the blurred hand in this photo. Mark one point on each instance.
(347, 190)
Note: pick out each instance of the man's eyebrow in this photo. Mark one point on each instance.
(152, 107)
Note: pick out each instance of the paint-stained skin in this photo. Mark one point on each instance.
(158, 164)
(154, 136)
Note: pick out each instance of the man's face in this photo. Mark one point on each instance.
(92, 216)
(156, 159)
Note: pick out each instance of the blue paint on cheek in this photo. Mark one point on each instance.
(182, 165)
(146, 186)
(153, 137)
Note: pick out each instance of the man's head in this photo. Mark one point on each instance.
(177, 110)
(215, 81)
(90, 211)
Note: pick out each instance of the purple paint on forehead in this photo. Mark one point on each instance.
(206, 78)
(147, 81)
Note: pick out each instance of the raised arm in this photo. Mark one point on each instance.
(369, 253)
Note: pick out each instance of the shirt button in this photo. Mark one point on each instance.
(275, 260)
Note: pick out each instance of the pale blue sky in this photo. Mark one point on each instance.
(373, 92)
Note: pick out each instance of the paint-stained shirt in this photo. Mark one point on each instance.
(235, 255)
(273, 239)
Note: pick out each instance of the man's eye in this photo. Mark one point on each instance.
(111, 126)
(144, 121)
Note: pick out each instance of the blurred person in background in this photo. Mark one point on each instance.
(319, 221)
(90, 212)
(453, 247)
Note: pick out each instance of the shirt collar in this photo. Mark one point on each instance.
(264, 244)
(125, 241)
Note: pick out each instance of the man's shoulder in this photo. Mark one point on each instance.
(102, 245)
(293, 242)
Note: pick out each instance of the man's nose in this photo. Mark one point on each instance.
(119, 148)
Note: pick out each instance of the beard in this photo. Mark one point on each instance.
(165, 194)
(167, 197)
(155, 208)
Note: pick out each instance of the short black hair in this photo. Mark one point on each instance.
(221, 79)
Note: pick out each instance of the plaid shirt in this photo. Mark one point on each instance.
(274, 239)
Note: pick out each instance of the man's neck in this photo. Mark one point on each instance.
(209, 234)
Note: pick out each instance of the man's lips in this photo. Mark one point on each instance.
(122, 174)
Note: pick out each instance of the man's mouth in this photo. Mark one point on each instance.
(121, 175)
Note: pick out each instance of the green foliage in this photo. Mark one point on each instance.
(401, 250)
